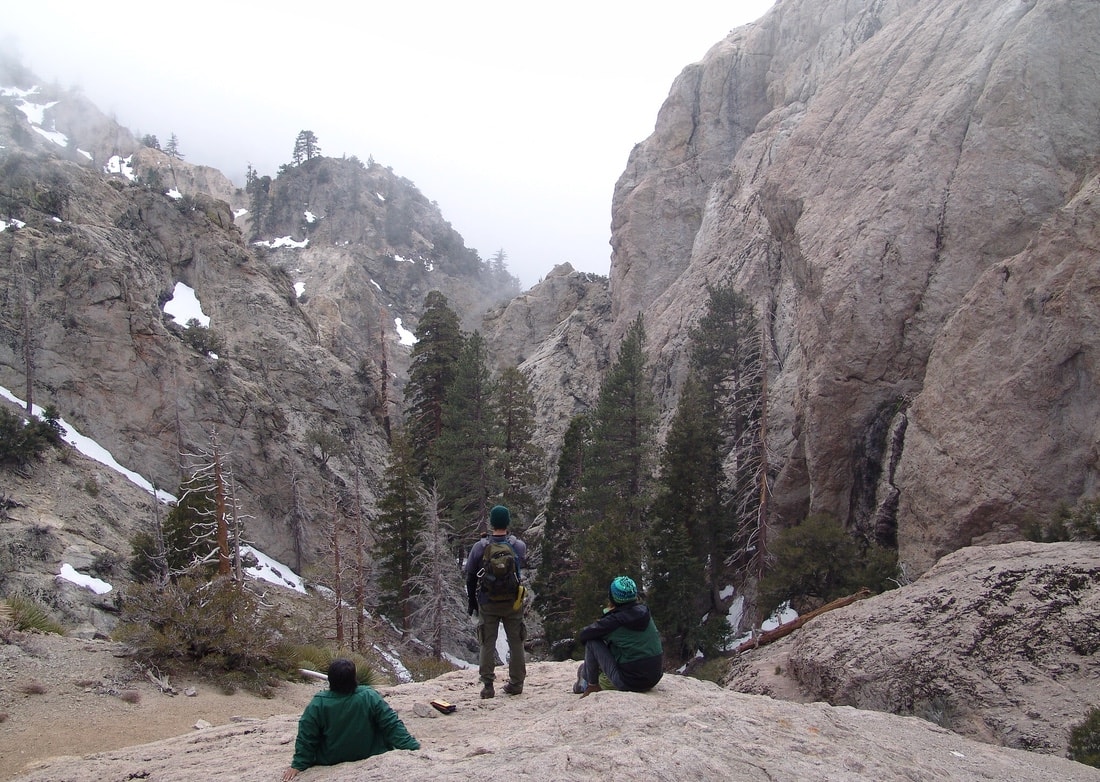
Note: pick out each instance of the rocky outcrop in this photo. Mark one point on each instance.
(564, 368)
(1007, 420)
(998, 643)
(314, 322)
(904, 189)
(683, 729)
(84, 292)
(71, 511)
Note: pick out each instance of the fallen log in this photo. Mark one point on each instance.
(787, 628)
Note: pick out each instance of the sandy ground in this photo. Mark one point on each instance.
(64, 696)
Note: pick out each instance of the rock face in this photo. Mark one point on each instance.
(89, 263)
(102, 229)
(683, 729)
(906, 192)
(999, 643)
(84, 516)
(564, 368)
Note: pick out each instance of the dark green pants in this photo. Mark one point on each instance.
(490, 618)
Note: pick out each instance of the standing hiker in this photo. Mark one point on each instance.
(622, 649)
(493, 572)
(348, 721)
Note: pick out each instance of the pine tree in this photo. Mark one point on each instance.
(683, 568)
(207, 528)
(727, 360)
(172, 148)
(305, 147)
(439, 342)
(462, 458)
(727, 357)
(518, 457)
(558, 556)
(259, 200)
(617, 478)
(397, 528)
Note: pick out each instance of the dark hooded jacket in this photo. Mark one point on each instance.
(631, 635)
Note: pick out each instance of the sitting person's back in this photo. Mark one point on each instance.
(346, 722)
(622, 649)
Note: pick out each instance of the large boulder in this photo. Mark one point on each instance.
(999, 643)
(683, 729)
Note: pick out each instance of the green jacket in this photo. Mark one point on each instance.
(338, 727)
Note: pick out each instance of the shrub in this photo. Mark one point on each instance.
(817, 561)
(105, 564)
(21, 442)
(32, 616)
(201, 338)
(1084, 740)
(712, 670)
(1079, 522)
(216, 628)
(425, 668)
(317, 658)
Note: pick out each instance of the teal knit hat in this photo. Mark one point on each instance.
(499, 518)
(623, 590)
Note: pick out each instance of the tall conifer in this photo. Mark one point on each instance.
(726, 355)
(462, 459)
(617, 478)
(518, 457)
(397, 529)
(685, 511)
(558, 555)
(439, 342)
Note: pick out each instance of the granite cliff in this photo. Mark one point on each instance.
(907, 192)
(310, 317)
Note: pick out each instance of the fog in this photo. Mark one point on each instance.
(516, 118)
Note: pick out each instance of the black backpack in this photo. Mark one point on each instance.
(499, 574)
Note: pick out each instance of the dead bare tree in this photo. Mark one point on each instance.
(300, 517)
(362, 567)
(212, 477)
(437, 586)
(331, 524)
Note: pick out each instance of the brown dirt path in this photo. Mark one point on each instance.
(65, 696)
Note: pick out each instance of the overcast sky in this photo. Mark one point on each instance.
(516, 117)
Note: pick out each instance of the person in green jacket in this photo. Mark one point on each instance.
(622, 649)
(348, 721)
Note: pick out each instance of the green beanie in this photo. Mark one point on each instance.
(499, 517)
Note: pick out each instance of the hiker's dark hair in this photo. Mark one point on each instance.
(341, 676)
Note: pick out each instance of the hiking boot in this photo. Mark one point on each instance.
(591, 689)
(580, 684)
(512, 689)
(487, 691)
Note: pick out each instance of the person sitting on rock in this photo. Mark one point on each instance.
(622, 649)
(348, 721)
